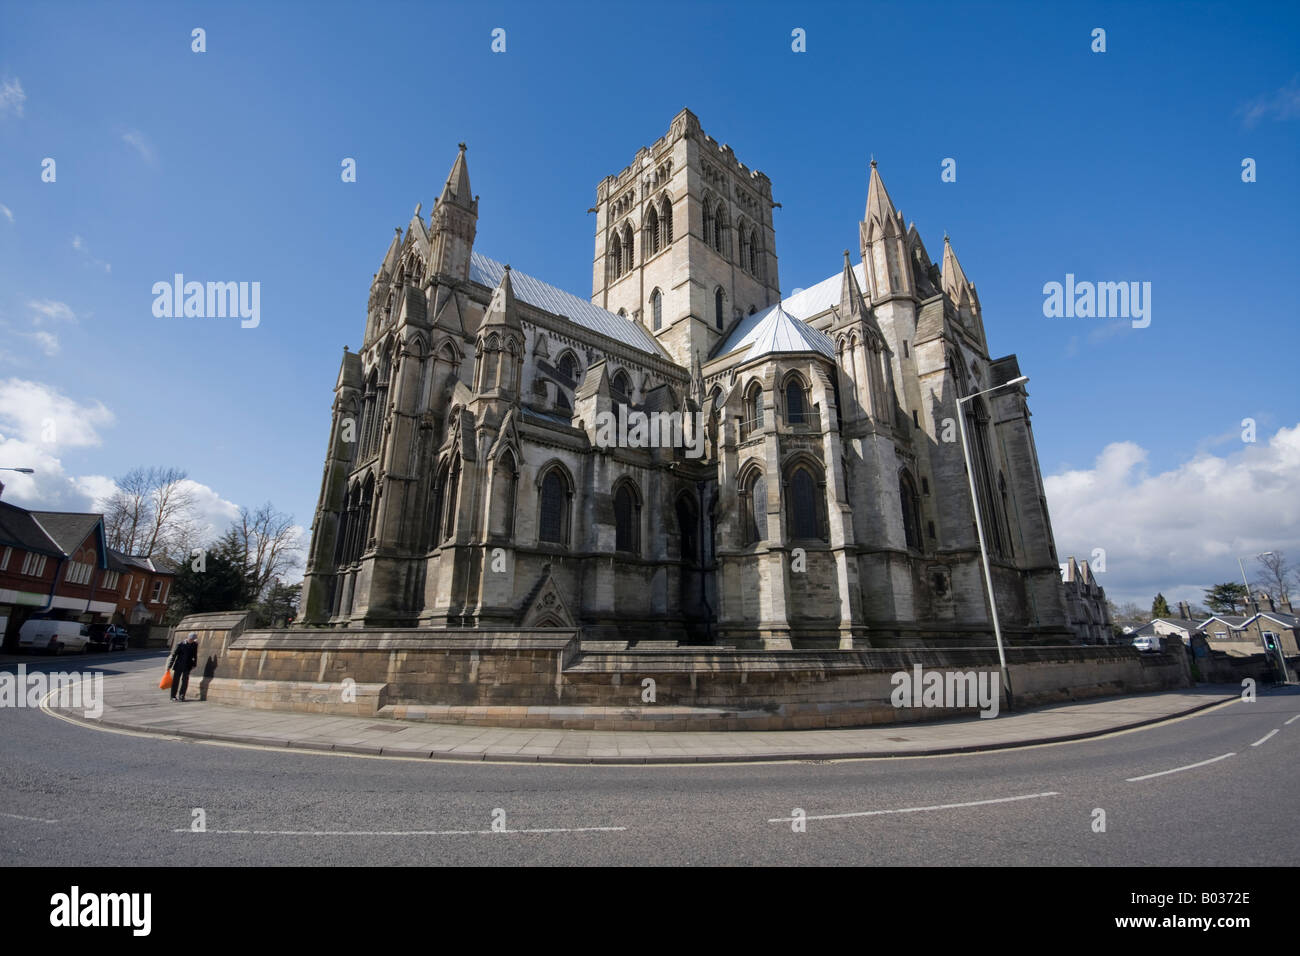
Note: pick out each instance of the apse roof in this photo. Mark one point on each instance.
(797, 336)
(776, 330)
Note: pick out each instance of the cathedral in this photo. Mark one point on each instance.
(818, 497)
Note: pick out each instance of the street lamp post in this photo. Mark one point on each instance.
(1281, 656)
(1245, 582)
(979, 529)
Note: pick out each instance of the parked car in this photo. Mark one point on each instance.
(110, 637)
(53, 637)
(1146, 643)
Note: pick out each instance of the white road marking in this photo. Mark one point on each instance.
(1264, 738)
(19, 816)
(1292, 720)
(942, 806)
(1190, 766)
(389, 833)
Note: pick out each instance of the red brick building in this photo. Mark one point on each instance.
(58, 564)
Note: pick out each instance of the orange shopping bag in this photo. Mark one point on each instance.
(166, 680)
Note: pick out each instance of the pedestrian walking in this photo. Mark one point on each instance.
(183, 659)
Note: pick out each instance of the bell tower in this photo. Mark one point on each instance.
(684, 241)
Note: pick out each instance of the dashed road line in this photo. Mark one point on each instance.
(941, 806)
(402, 833)
(1292, 720)
(1190, 766)
(1265, 737)
(19, 816)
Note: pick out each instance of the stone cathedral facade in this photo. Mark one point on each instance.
(466, 485)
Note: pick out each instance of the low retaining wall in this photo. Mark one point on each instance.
(547, 678)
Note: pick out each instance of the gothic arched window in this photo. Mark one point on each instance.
(744, 247)
(753, 252)
(688, 528)
(911, 504)
(718, 300)
(627, 519)
(720, 228)
(805, 503)
(657, 309)
(505, 483)
(753, 410)
(753, 507)
(651, 244)
(553, 507)
(487, 364)
(977, 423)
(616, 255)
(621, 385)
(627, 247)
(708, 223)
(449, 510)
(796, 402)
(568, 367)
(666, 221)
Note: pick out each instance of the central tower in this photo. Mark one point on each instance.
(684, 241)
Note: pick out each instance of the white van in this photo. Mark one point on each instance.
(42, 634)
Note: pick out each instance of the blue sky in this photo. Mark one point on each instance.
(224, 166)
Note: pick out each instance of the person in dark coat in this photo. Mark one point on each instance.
(183, 659)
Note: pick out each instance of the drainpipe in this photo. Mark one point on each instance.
(49, 601)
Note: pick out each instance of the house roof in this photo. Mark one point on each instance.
(1281, 617)
(775, 330)
(487, 272)
(68, 529)
(1232, 620)
(19, 529)
(1182, 624)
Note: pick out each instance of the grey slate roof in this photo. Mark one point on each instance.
(18, 529)
(66, 528)
(487, 272)
(803, 306)
(775, 330)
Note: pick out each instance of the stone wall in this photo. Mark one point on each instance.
(548, 678)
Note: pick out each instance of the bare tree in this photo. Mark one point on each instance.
(1275, 576)
(151, 512)
(269, 542)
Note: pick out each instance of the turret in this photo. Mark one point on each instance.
(453, 224)
(500, 345)
(883, 239)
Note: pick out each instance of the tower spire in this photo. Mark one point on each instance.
(457, 187)
(850, 293)
(453, 224)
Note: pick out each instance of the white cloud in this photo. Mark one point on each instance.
(1282, 105)
(7, 212)
(1178, 531)
(80, 245)
(12, 97)
(37, 415)
(140, 143)
(47, 342)
(48, 309)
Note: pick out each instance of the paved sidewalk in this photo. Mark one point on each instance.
(134, 702)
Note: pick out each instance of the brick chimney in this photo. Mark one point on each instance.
(1264, 603)
(1184, 611)
(1284, 605)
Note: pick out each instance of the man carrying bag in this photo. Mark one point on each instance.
(183, 659)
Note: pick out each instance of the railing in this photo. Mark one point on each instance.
(749, 427)
(805, 421)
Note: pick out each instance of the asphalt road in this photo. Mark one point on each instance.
(76, 796)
